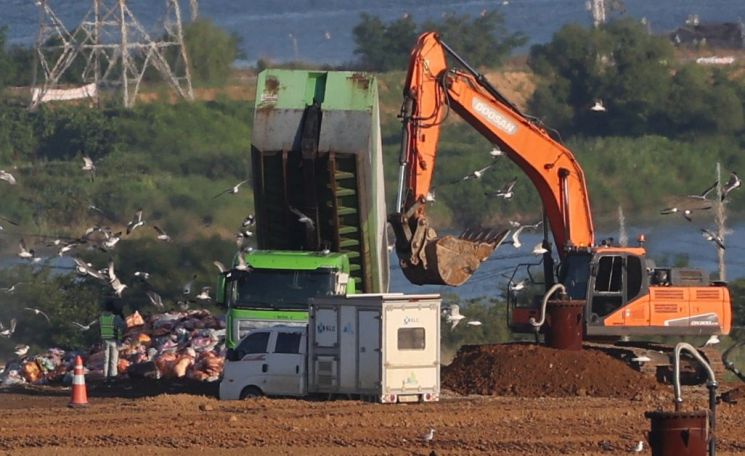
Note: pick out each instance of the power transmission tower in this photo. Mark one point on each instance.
(720, 220)
(194, 4)
(113, 49)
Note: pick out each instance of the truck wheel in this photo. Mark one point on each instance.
(251, 392)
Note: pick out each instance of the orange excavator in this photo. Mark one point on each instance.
(620, 291)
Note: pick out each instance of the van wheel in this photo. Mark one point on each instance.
(251, 392)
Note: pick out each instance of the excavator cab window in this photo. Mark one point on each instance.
(607, 293)
(574, 274)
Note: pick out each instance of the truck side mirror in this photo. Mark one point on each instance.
(342, 279)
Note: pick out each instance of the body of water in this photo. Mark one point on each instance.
(320, 31)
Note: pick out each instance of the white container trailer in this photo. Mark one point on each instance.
(382, 346)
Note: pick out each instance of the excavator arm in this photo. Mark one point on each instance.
(432, 90)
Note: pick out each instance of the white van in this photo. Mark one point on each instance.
(267, 361)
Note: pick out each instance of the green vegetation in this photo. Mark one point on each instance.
(384, 47)
(211, 51)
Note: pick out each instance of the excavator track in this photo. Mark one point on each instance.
(656, 360)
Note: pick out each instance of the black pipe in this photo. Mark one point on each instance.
(712, 386)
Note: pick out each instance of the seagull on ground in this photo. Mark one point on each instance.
(114, 281)
(504, 192)
(7, 177)
(205, 294)
(186, 289)
(639, 446)
(709, 236)
(454, 317)
(250, 220)
(733, 183)
(183, 305)
(162, 235)
(430, 196)
(66, 248)
(136, 222)
(155, 299)
(38, 312)
(478, 173)
(641, 359)
(304, 219)
(232, 190)
(25, 253)
(598, 106)
(21, 350)
(85, 327)
(88, 166)
(429, 436)
(7, 332)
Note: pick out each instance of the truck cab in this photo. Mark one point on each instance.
(268, 361)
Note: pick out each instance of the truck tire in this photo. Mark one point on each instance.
(251, 392)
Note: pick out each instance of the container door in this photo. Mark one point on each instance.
(369, 350)
(285, 365)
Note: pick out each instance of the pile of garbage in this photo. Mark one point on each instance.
(162, 346)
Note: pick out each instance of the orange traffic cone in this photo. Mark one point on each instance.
(79, 391)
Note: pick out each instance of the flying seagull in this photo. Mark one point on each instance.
(713, 340)
(186, 289)
(496, 152)
(154, 298)
(733, 183)
(112, 239)
(38, 312)
(302, 218)
(478, 173)
(136, 222)
(142, 275)
(598, 106)
(232, 190)
(219, 265)
(162, 235)
(685, 212)
(86, 268)
(519, 286)
(250, 220)
(7, 332)
(242, 265)
(539, 249)
(473, 323)
(702, 195)
(85, 327)
(709, 236)
(430, 196)
(114, 281)
(88, 166)
(21, 350)
(454, 317)
(7, 177)
(205, 294)
(25, 253)
(506, 190)
(66, 248)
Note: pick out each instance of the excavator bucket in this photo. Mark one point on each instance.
(426, 259)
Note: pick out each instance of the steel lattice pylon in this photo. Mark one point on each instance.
(115, 48)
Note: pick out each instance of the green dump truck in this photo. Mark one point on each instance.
(317, 172)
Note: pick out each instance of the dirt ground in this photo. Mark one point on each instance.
(35, 420)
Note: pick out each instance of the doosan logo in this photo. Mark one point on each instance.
(495, 118)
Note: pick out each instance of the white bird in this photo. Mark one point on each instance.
(496, 152)
(709, 236)
(114, 281)
(162, 235)
(85, 327)
(86, 268)
(66, 248)
(733, 183)
(250, 220)
(478, 173)
(598, 106)
(514, 223)
(685, 212)
(38, 312)
(304, 219)
(702, 195)
(25, 253)
(242, 265)
(136, 222)
(473, 323)
(186, 289)
(641, 359)
(7, 177)
(232, 190)
(429, 436)
(504, 192)
(516, 237)
(88, 166)
(21, 350)
(219, 266)
(154, 298)
(205, 294)
(713, 340)
(7, 332)
(518, 286)
(430, 196)
(142, 275)
(183, 305)
(639, 446)
(539, 249)
(112, 239)
(454, 317)
(11, 288)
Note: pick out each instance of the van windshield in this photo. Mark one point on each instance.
(280, 289)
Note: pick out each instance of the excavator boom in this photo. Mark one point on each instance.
(431, 91)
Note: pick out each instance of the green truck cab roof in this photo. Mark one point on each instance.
(292, 259)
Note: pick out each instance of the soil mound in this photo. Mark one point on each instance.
(535, 370)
